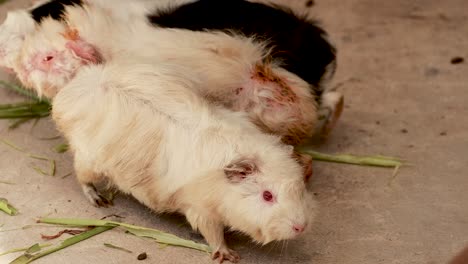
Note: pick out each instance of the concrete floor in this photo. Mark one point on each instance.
(403, 98)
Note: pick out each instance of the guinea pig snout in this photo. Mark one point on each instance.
(299, 228)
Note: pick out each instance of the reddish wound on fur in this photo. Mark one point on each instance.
(84, 50)
(71, 34)
(264, 74)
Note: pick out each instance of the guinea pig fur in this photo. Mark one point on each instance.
(19, 23)
(237, 71)
(142, 127)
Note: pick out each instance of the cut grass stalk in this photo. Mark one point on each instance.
(27, 257)
(159, 236)
(23, 91)
(29, 249)
(61, 148)
(7, 208)
(52, 165)
(24, 110)
(116, 247)
(7, 182)
(377, 161)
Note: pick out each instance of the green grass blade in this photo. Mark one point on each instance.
(7, 208)
(159, 236)
(28, 258)
(378, 161)
(29, 249)
(61, 148)
(23, 91)
(116, 247)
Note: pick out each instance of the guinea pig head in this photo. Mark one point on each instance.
(51, 56)
(16, 26)
(267, 197)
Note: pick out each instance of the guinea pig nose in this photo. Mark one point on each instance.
(298, 228)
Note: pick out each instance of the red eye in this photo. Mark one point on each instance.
(267, 196)
(48, 58)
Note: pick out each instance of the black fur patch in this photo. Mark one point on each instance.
(54, 9)
(299, 43)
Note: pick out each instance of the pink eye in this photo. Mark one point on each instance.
(267, 196)
(48, 58)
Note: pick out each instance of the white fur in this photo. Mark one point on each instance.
(16, 26)
(144, 128)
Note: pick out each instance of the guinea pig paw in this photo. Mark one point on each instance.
(225, 253)
(94, 197)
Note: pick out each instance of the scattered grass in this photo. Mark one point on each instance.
(159, 236)
(7, 208)
(35, 248)
(52, 164)
(28, 257)
(23, 91)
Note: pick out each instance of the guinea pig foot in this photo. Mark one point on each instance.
(95, 197)
(224, 253)
(330, 112)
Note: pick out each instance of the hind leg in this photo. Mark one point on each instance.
(87, 179)
(330, 110)
(279, 102)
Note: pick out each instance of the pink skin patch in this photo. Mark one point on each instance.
(45, 61)
(84, 51)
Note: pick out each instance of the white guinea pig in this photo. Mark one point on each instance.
(237, 72)
(142, 127)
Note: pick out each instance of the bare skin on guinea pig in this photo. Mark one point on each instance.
(237, 71)
(144, 129)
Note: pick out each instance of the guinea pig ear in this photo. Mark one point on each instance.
(290, 149)
(239, 170)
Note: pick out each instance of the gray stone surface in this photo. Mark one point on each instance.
(403, 98)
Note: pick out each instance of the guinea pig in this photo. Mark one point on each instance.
(299, 43)
(142, 127)
(238, 72)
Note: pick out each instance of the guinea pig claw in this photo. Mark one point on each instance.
(94, 197)
(223, 254)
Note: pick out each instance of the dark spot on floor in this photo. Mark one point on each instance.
(431, 72)
(309, 3)
(377, 122)
(404, 130)
(443, 133)
(142, 256)
(457, 60)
